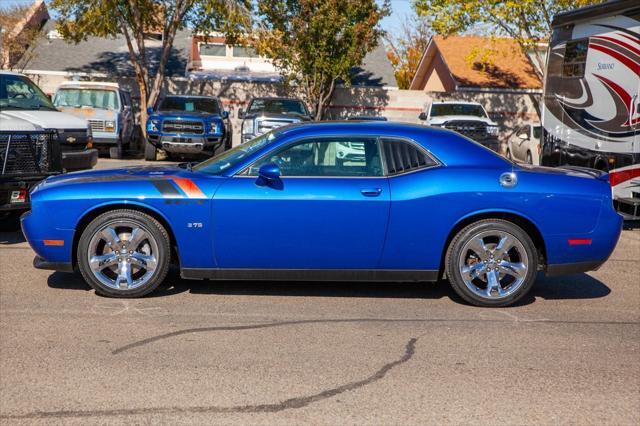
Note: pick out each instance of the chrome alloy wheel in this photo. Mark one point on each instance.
(122, 255)
(493, 264)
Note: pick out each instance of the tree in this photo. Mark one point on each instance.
(135, 19)
(15, 39)
(528, 22)
(315, 44)
(406, 48)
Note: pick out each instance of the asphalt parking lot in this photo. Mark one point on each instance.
(272, 353)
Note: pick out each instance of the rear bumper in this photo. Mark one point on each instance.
(79, 160)
(572, 268)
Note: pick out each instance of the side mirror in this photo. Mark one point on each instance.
(269, 172)
(149, 110)
(225, 114)
(523, 136)
(422, 116)
(240, 113)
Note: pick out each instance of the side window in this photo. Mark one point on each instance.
(339, 157)
(401, 156)
(575, 58)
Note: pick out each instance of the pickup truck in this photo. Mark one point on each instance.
(30, 109)
(28, 155)
(470, 119)
(108, 109)
(265, 114)
(188, 125)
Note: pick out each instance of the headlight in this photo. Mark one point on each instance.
(492, 130)
(110, 126)
(152, 125)
(248, 127)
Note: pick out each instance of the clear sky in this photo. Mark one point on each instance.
(400, 9)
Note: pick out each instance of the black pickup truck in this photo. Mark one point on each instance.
(26, 158)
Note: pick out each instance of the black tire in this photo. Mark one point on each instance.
(529, 158)
(454, 253)
(150, 152)
(115, 152)
(156, 231)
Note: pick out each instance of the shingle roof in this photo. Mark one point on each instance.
(506, 67)
(376, 70)
(103, 55)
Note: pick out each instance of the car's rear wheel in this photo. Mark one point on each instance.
(115, 152)
(492, 263)
(529, 158)
(124, 253)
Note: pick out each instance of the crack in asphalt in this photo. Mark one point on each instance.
(291, 403)
(333, 321)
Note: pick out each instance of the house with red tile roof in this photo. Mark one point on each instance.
(471, 63)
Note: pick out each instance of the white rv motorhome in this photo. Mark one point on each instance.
(591, 102)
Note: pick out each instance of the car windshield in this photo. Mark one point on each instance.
(277, 106)
(92, 98)
(18, 92)
(537, 132)
(457, 109)
(185, 104)
(218, 164)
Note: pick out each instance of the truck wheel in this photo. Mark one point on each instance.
(492, 263)
(150, 152)
(115, 152)
(124, 253)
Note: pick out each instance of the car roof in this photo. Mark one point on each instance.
(191, 96)
(6, 72)
(454, 103)
(276, 98)
(91, 84)
(448, 146)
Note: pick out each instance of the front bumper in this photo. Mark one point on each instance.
(79, 160)
(40, 263)
(187, 144)
(105, 138)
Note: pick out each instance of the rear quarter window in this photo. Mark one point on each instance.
(402, 156)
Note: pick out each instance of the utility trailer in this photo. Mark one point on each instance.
(591, 101)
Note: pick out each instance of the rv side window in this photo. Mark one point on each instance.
(575, 58)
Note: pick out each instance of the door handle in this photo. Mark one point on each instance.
(371, 192)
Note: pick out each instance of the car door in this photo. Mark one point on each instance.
(522, 144)
(127, 115)
(328, 210)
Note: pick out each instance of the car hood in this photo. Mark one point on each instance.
(291, 117)
(11, 123)
(48, 119)
(185, 116)
(444, 118)
(90, 113)
(133, 173)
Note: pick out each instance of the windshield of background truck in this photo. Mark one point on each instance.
(277, 106)
(92, 98)
(18, 92)
(457, 109)
(183, 104)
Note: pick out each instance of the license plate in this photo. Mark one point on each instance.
(19, 196)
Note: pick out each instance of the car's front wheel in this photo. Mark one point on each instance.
(124, 253)
(492, 263)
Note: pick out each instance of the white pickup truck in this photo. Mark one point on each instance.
(25, 107)
(467, 118)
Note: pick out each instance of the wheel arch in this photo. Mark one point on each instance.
(518, 219)
(96, 211)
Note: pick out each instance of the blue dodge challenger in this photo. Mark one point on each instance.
(408, 203)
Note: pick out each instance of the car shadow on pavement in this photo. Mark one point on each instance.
(580, 286)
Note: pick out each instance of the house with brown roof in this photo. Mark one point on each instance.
(470, 63)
